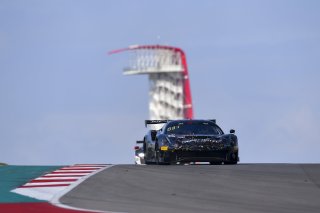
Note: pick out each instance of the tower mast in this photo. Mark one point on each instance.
(169, 85)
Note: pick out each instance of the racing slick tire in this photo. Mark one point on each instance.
(157, 154)
(215, 163)
(145, 154)
(232, 159)
(230, 163)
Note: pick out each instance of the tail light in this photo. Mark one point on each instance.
(136, 148)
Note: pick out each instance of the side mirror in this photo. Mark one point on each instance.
(232, 131)
(153, 134)
(140, 142)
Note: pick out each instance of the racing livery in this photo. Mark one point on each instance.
(186, 141)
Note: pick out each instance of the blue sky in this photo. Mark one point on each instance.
(254, 66)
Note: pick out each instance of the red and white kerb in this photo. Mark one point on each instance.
(53, 183)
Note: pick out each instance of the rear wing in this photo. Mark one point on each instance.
(150, 122)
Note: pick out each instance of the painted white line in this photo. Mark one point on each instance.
(47, 183)
(80, 168)
(56, 178)
(41, 193)
(71, 173)
(74, 174)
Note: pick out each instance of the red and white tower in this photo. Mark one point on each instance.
(169, 92)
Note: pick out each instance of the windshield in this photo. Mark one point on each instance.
(193, 128)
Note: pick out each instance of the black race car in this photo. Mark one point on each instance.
(186, 141)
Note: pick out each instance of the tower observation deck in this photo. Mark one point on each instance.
(169, 85)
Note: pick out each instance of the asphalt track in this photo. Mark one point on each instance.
(242, 188)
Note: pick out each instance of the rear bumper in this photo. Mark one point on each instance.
(226, 155)
(201, 156)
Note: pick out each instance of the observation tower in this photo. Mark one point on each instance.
(169, 85)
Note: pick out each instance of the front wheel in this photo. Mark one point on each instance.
(163, 158)
(231, 163)
(145, 154)
(215, 163)
(157, 155)
(232, 158)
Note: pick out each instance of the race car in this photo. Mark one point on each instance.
(139, 153)
(189, 141)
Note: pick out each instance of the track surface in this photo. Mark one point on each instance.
(242, 188)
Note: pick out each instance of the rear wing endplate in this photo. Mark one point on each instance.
(213, 120)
